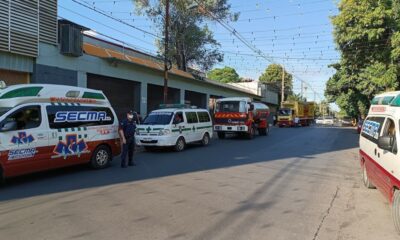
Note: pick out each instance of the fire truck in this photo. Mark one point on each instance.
(291, 110)
(242, 116)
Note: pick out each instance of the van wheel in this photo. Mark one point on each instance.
(149, 148)
(206, 139)
(101, 157)
(365, 178)
(396, 210)
(180, 144)
(221, 135)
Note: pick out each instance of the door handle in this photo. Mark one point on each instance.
(375, 151)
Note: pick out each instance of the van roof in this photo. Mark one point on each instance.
(180, 109)
(24, 93)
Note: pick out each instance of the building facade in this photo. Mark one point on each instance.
(54, 51)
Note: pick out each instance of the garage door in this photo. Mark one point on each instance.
(123, 94)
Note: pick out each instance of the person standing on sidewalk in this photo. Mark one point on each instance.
(127, 128)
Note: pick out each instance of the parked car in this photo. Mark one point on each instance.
(319, 120)
(346, 121)
(175, 127)
(360, 125)
(328, 120)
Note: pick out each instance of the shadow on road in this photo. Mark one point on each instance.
(297, 143)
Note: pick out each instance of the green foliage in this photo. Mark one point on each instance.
(273, 76)
(295, 97)
(367, 35)
(225, 75)
(190, 40)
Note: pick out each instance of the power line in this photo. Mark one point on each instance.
(114, 18)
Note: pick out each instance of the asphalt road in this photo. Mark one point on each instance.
(301, 183)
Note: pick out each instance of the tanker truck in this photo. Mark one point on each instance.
(291, 110)
(242, 116)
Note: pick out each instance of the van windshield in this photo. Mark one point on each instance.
(158, 118)
(3, 110)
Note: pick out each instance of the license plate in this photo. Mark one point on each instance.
(147, 139)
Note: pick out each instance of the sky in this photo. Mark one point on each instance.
(294, 33)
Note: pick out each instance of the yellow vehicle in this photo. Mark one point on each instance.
(291, 111)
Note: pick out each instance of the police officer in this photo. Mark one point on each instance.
(127, 129)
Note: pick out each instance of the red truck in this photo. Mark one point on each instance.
(242, 116)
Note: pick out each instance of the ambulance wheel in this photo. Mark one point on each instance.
(101, 157)
(206, 139)
(2, 179)
(221, 135)
(365, 178)
(180, 144)
(396, 210)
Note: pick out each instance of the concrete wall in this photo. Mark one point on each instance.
(54, 75)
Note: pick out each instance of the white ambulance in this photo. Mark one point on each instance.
(380, 160)
(175, 127)
(50, 126)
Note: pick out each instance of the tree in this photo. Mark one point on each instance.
(367, 35)
(296, 97)
(225, 75)
(190, 42)
(273, 76)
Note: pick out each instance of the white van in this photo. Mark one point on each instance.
(46, 126)
(380, 160)
(175, 127)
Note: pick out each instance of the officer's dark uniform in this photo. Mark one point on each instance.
(128, 127)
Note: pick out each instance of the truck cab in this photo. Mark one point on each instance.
(240, 115)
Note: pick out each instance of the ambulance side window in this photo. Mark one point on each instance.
(24, 118)
(390, 130)
(371, 128)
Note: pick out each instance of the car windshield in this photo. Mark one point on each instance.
(328, 117)
(3, 110)
(158, 118)
(320, 118)
(231, 106)
(285, 112)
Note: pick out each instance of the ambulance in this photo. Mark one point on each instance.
(175, 126)
(45, 126)
(379, 157)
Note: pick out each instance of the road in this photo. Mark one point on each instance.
(299, 183)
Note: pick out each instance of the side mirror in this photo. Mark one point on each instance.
(9, 126)
(251, 108)
(385, 143)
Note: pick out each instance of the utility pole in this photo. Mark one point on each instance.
(283, 86)
(166, 51)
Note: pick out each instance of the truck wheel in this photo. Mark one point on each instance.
(180, 144)
(206, 139)
(366, 180)
(221, 135)
(101, 157)
(250, 135)
(263, 131)
(396, 210)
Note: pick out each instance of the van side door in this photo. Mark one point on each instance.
(24, 137)
(205, 124)
(192, 124)
(388, 157)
